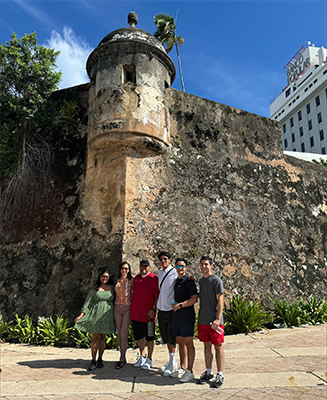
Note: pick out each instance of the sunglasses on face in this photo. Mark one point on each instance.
(105, 276)
(125, 269)
(180, 266)
(163, 259)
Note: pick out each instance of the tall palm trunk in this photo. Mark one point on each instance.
(180, 68)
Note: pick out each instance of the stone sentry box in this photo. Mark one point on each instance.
(129, 72)
(127, 122)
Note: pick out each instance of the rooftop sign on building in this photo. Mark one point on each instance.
(297, 64)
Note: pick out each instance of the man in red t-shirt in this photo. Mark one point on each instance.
(143, 309)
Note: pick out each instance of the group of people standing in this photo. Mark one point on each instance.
(171, 296)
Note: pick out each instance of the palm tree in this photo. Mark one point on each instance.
(166, 33)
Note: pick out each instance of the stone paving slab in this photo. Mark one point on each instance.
(50, 387)
(301, 351)
(282, 364)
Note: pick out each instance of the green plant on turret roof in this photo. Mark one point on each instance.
(166, 33)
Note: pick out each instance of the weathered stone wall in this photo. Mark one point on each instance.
(225, 189)
(221, 188)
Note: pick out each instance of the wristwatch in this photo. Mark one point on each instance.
(181, 305)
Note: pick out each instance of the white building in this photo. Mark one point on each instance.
(301, 108)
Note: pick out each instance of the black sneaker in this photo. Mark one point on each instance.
(92, 366)
(205, 378)
(217, 382)
(100, 363)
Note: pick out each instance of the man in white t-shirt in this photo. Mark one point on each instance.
(167, 277)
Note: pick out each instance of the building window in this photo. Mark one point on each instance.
(301, 130)
(317, 101)
(310, 124)
(285, 143)
(288, 92)
(293, 137)
(299, 114)
(292, 122)
(323, 150)
(302, 147)
(312, 143)
(284, 128)
(321, 133)
(319, 118)
(308, 109)
(129, 74)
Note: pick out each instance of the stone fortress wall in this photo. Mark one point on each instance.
(158, 169)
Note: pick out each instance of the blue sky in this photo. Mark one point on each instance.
(234, 51)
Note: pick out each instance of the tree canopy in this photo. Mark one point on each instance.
(27, 77)
(166, 33)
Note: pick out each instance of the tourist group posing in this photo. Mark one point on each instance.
(171, 294)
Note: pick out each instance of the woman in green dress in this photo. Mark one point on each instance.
(97, 317)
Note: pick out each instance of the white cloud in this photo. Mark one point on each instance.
(34, 12)
(72, 58)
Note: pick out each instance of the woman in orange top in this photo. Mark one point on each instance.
(123, 291)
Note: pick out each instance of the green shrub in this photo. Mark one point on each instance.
(23, 330)
(316, 310)
(131, 342)
(81, 339)
(245, 316)
(290, 314)
(112, 341)
(4, 328)
(51, 331)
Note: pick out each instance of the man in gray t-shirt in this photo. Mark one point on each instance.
(210, 322)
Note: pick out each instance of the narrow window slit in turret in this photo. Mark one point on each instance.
(129, 74)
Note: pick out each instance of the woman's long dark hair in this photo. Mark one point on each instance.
(98, 281)
(129, 274)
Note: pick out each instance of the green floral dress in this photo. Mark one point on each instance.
(98, 309)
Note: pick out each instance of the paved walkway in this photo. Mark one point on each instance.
(277, 364)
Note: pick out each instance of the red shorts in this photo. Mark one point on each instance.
(207, 334)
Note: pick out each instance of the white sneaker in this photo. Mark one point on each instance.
(161, 369)
(140, 362)
(170, 369)
(178, 373)
(187, 376)
(147, 364)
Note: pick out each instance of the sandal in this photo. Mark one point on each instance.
(120, 364)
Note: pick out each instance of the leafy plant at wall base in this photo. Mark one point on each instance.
(4, 328)
(112, 341)
(316, 310)
(82, 339)
(54, 331)
(290, 314)
(23, 330)
(245, 316)
(131, 342)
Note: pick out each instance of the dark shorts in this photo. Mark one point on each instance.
(140, 331)
(165, 326)
(183, 328)
(207, 334)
